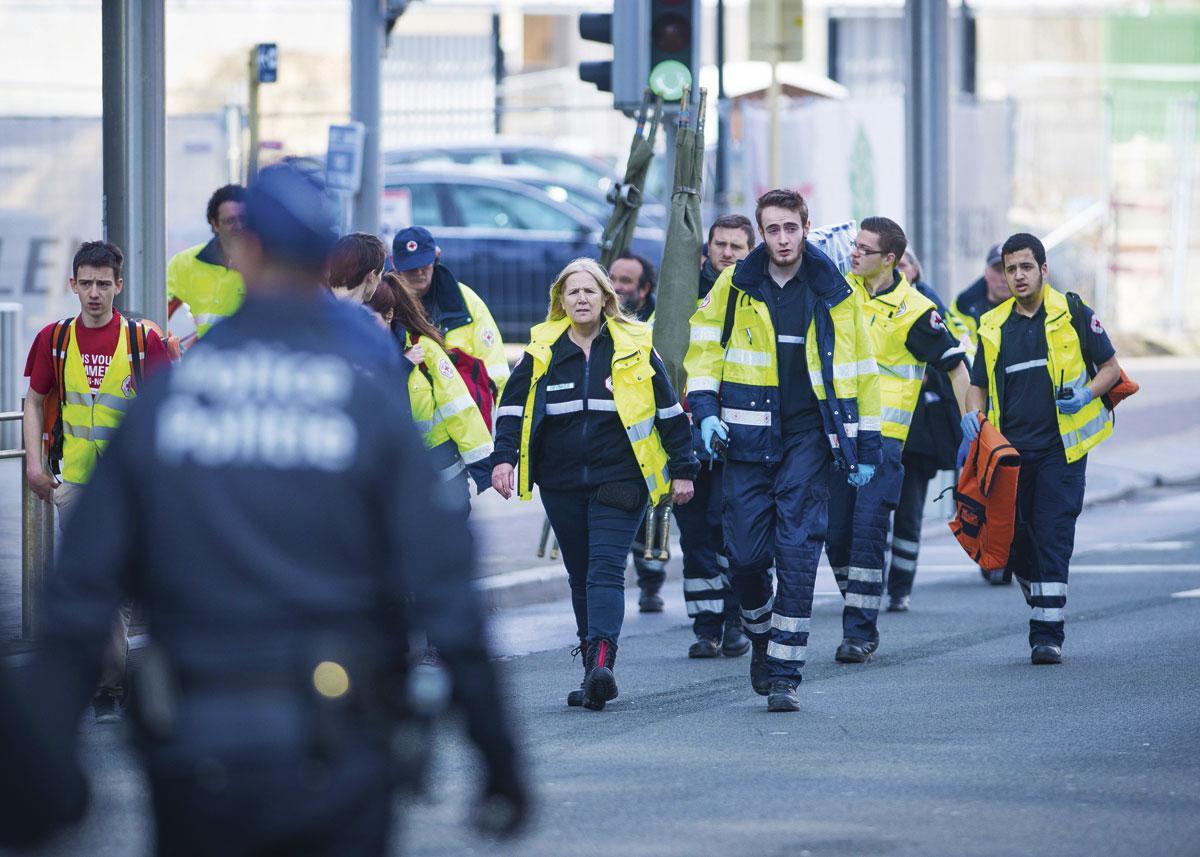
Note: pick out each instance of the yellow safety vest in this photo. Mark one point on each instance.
(890, 317)
(90, 421)
(445, 412)
(633, 393)
(481, 338)
(212, 292)
(1082, 431)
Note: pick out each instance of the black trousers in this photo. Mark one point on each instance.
(906, 524)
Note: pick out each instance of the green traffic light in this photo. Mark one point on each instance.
(668, 79)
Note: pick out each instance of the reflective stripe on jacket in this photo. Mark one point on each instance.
(633, 393)
(889, 317)
(740, 382)
(1082, 431)
(445, 413)
(90, 420)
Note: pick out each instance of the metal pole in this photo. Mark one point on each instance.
(774, 146)
(37, 553)
(1183, 119)
(10, 367)
(721, 196)
(498, 72)
(928, 102)
(134, 94)
(366, 60)
(252, 117)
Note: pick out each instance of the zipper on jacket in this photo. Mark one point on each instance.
(587, 366)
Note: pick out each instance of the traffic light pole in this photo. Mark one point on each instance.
(367, 30)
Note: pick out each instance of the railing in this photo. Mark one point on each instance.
(37, 540)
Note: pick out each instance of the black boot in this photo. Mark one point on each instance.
(600, 686)
(760, 679)
(575, 697)
(736, 643)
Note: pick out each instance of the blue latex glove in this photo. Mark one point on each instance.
(1078, 401)
(970, 425)
(964, 449)
(708, 427)
(862, 476)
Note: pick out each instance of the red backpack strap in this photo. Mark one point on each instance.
(137, 351)
(59, 337)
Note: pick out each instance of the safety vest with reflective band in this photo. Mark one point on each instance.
(446, 414)
(633, 393)
(1082, 431)
(890, 316)
(89, 420)
(466, 322)
(211, 290)
(739, 378)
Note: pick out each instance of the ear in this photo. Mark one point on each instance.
(120, 286)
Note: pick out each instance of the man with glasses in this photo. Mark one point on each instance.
(202, 276)
(456, 310)
(83, 373)
(907, 332)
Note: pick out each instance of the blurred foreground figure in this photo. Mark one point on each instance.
(251, 504)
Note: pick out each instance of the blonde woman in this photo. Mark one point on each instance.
(590, 416)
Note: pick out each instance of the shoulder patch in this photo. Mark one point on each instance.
(935, 320)
(1096, 326)
(445, 369)
(488, 336)
(707, 300)
(608, 385)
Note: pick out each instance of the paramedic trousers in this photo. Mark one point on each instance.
(1049, 500)
(594, 540)
(777, 513)
(858, 532)
(906, 525)
(706, 590)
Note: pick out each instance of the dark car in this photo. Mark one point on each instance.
(503, 238)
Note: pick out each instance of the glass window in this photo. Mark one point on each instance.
(565, 169)
(498, 208)
(425, 208)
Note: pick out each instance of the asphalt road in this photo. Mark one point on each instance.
(948, 743)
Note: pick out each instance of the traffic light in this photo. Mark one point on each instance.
(674, 29)
(626, 73)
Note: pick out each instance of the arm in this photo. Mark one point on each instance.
(869, 444)
(960, 379)
(976, 399)
(672, 424)
(459, 413)
(40, 481)
(705, 359)
(930, 340)
(1107, 375)
(488, 343)
(509, 418)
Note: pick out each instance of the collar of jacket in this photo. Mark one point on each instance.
(647, 309)
(452, 306)
(824, 279)
(628, 339)
(708, 277)
(213, 253)
(894, 295)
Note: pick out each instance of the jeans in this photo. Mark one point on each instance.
(594, 540)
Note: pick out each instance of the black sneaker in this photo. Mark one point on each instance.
(650, 602)
(1046, 654)
(855, 651)
(783, 697)
(736, 643)
(600, 686)
(704, 648)
(898, 604)
(760, 679)
(575, 697)
(106, 707)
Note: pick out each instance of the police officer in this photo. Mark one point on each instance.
(202, 276)
(780, 366)
(707, 592)
(591, 417)
(907, 332)
(933, 440)
(454, 308)
(1044, 366)
(275, 461)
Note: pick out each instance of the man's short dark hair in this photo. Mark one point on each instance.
(891, 236)
(649, 274)
(733, 221)
(781, 198)
(1024, 241)
(98, 254)
(222, 195)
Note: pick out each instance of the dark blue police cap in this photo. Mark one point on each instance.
(413, 247)
(289, 210)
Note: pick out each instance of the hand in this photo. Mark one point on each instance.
(710, 426)
(1078, 401)
(415, 355)
(503, 808)
(683, 490)
(862, 476)
(504, 480)
(42, 483)
(970, 425)
(964, 449)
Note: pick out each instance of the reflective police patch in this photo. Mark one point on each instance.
(1096, 326)
(445, 368)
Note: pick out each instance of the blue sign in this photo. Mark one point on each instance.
(344, 157)
(266, 59)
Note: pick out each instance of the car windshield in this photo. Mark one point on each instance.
(500, 208)
(564, 169)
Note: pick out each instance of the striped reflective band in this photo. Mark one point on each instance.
(641, 430)
(865, 575)
(871, 423)
(117, 403)
(479, 453)
(455, 406)
(746, 418)
(703, 333)
(424, 426)
(700, 384)
(1089, 429)
(756, 613)
(863, 602)
(703, 584)
(786, 653)
(906, 371)
(448, 473)
(673, 411)
(84, 399)
(745, 357)
(207, 317)
(1049, 590)
(97, 433)
(899, 416)
(953, 351)
(570, 407)
(609, 405)
(789, 340)
(510, 411)
(497, 370)
(903, 563)
(695, 608)
(1021, 367)
(790, 624)
(905, 544)
(1048, 614)
(853, 370)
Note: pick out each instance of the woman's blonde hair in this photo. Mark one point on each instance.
(611, 301)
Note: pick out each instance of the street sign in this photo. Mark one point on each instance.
(266, 59)
(344, 157)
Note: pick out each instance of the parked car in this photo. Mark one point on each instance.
(505, 239)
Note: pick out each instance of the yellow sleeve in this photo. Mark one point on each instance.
(488, 345)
